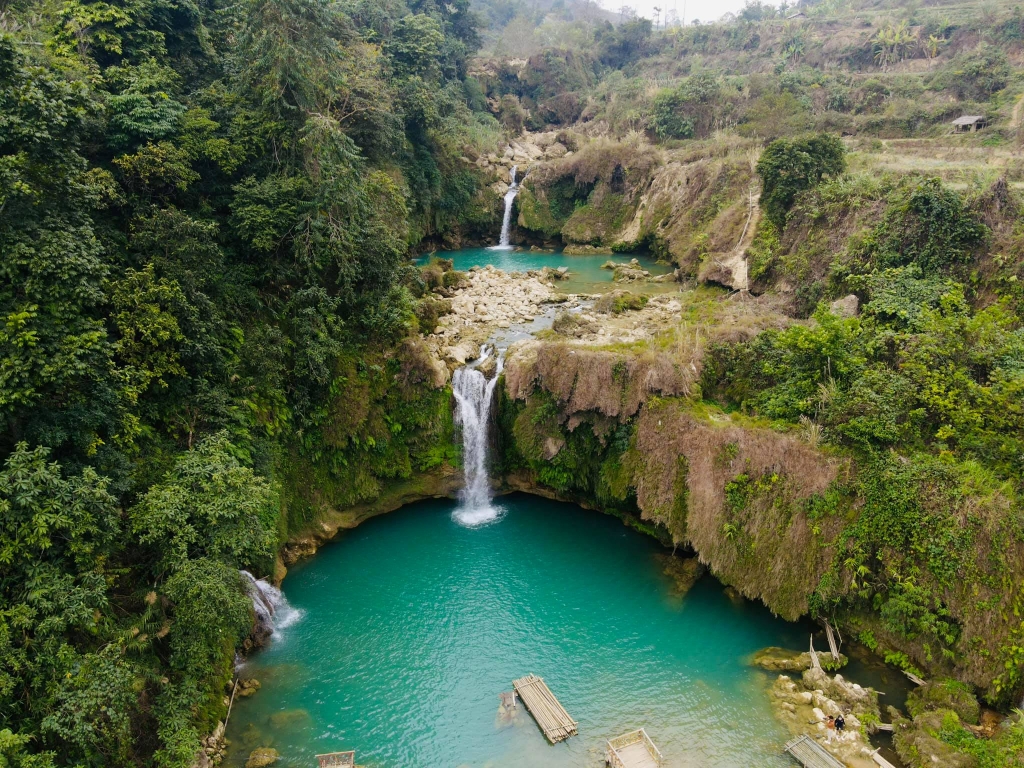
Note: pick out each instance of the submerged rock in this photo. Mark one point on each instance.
(684, 572)
(288, 718)
(775, 659)
(262, 757)
(248, 687)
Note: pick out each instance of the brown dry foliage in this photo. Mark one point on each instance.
(598, 160)
(609, 383)
(789, 561)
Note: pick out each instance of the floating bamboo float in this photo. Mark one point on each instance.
(551, 716)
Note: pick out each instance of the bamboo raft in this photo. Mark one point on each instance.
(551, 716)
(811, 754)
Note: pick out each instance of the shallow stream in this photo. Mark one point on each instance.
(413, 623)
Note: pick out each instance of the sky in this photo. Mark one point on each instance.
(705, 10)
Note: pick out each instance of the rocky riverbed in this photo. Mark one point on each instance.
(803, 703)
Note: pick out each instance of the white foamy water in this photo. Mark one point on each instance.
(473, 397)
(274, 613)
(506, 221)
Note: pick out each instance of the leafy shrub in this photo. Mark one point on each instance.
(790, 166)
(925, 224)
(688, 111)
(974, 75)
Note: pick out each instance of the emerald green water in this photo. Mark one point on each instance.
(413, 624)
(585, 273)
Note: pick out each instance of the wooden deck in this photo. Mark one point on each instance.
(551, 716)
(811, 754)
(633, 750)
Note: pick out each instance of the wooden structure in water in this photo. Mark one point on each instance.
(551, 716)
(811, 754)
(337, 760)
(880, 761)
(633, 750)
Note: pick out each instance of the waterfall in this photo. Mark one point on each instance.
(473, 396)
(506, 221)
(273, 611)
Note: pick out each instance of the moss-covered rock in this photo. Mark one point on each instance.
(774, 659)
(262, 757)
(945, 694)
(535, 212)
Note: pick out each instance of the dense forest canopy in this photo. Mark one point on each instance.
(208, 314)
(202, 207)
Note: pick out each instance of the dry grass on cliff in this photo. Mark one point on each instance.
(581, 379)
(770, 550)
(598, 159)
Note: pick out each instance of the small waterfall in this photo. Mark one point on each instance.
(473, 397)
(506, 221)
(273, 611)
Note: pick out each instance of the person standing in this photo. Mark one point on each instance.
(830, 729)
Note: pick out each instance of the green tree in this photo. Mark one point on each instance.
(790, 166)
(208, 505)
(56, 537)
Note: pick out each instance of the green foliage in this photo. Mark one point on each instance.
(211, 506)
(688, 111)
(788, 167)
(926, 224)
(975, 75)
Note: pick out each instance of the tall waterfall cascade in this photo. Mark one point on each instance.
(474, 395)
(273, 611)
(506, 220)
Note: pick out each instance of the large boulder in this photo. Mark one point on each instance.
(848, 306)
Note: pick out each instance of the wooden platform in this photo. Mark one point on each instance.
(551, 716)
(633, 750)
(337, 760)
(811, 754)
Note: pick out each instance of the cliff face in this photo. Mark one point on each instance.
(618, 429)
(623, 429)
(694, 208)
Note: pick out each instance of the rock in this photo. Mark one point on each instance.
(488, 367)
(248, 687)
(848, 306)
(684, 572)
(461, 353)
(804, 704)
(544, 140)
(262, 757)
(945, 694)
(556, 150)
(586, 250)
(552, 446)
(776, 659)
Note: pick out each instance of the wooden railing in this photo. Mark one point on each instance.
(625, 740)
